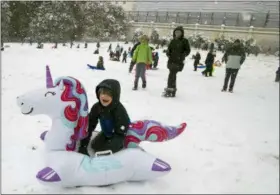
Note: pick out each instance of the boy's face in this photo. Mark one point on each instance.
(178, 33)
(105, 98)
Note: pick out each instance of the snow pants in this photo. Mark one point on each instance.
(140, 72)
(102, 143)
(230, 74)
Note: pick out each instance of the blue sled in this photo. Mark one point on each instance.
(201, 66)
(94, 67)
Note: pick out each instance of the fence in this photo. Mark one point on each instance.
(266, 37)
(264, 20)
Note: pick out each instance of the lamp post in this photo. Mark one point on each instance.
(152, 26)
(196, 29)
(172, 26)
(222, 32)
(250, 32)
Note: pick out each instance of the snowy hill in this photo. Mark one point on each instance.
(231, 144)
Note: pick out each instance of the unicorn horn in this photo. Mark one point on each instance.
(49, 80)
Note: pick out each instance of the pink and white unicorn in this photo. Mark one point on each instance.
(65, 102)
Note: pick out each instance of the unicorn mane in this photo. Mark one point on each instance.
(74, 117)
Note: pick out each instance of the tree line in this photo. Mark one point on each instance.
(61, 21)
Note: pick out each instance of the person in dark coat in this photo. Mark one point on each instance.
(197, 58)
(113, 118)
(111, 54)
(277, 78)
(234, 57)
(178, 49)
(118, 52)
(155, 59)
(109, 48)
(100, 63)
(96, 51)
(209, 63)
(124, 57)
(131, 54)
(86, 44)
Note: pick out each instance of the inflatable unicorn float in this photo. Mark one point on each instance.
(65, 102)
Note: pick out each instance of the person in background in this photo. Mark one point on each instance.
(100, 63)
(234, 57)
(124, 57)
(156, 58)
(110, 48)
(178, 49)
(131, 54)
(142, 56)
(118, 52)
(209, 63)
(277, 78)
(197, 58)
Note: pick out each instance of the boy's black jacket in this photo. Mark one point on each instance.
(114, 120)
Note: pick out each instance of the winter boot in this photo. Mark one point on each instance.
(167, 92)
(173, 92)
(144, 84)
(135, 86)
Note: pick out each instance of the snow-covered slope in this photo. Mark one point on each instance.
(231, 144)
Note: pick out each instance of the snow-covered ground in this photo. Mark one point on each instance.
(231, 144)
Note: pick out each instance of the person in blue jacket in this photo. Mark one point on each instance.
(113, 118)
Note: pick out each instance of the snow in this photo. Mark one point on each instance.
(231, 144)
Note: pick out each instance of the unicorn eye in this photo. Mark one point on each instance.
(49, 92)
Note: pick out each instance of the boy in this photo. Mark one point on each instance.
(100, 63)
(113, 118)
(142, 56)
(209, 63)
(197, 58)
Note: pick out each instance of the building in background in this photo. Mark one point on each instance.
(226, 12)
(251, 6)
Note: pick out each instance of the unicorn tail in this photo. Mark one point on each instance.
(153, 131)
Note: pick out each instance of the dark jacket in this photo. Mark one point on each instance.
(210, 58)
(134, 47)
(114, 120)
(124, 54)
(234, 56)
(197, 58)
(177, 51)
(100, 64)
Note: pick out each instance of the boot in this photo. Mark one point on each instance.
(135, 86)
(173, 92)
(144, 84)
(167, 92)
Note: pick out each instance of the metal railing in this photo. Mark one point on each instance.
(261, 20)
